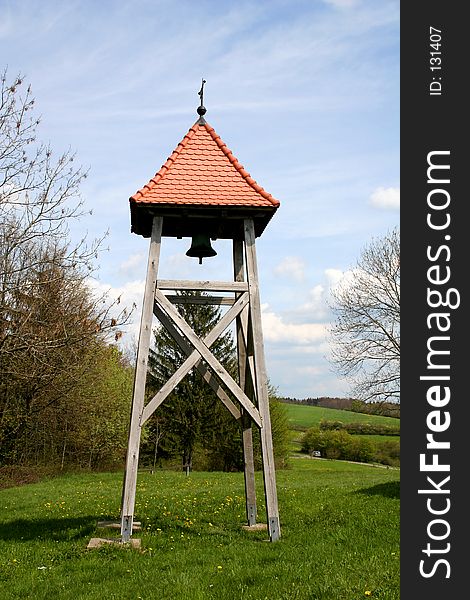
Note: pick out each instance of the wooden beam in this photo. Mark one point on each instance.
(269, 472)
(220, 300)
(132, 458)
(207, 355)
(208, 286)
(191, 361)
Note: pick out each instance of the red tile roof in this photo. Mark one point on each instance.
(202, 171)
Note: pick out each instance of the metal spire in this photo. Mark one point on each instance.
(201, 111)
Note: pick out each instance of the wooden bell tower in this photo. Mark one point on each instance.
(203, 191)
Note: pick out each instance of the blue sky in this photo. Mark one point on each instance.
(304, 93)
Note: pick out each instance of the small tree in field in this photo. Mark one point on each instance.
(366, 330)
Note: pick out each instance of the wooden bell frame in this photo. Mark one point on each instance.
(251, 393)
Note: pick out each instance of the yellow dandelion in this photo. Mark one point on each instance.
(367, 593)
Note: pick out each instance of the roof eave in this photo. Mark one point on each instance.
(218, 221)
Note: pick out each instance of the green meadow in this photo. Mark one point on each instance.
(340, 537)
(303, 417)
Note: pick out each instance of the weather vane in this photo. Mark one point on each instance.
(201, 111)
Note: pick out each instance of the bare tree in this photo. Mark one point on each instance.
(39, 194)
(366, 330)
(39, 198)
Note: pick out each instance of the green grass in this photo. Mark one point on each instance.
(340, 537)
(295, 440)
(303, 417)
(379, 438)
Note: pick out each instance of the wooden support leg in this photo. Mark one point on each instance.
(244, 379)
(261, 383)
(132, 459)
(249, 470)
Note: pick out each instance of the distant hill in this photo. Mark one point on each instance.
(385, 409)
(302, 416)
(326, 402)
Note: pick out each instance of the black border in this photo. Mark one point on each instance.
(431, 123)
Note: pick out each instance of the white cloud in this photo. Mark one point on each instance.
(12, 200)
(333, 276)
(275, 329)
(342, 3)
(291, 267)
(135, 261)
(309, 370)
(385, 198)
(342, 278)
(316, 308)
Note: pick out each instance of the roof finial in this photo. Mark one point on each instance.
(201, 111)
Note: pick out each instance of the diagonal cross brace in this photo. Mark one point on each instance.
(201, 349)
(200, 366)
(194, 358)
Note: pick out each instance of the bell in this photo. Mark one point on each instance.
(201, 247)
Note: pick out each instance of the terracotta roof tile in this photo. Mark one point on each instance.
(203, 171)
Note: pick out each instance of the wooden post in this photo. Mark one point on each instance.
(132, 459)
(244, 379)
(269, 474)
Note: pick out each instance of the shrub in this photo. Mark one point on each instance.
(339, 444)
(326, 425)
(361, 450)
(371, 429)
(314, 440)
(388, 453)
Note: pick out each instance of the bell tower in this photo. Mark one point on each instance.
(202, 192)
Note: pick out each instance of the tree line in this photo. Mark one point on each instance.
(56, 362)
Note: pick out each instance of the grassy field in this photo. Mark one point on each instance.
(303, 417)
(340, 537)
(380, 438)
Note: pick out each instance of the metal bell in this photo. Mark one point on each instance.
(201, 247)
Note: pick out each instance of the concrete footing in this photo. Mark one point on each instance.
(255, 527)
(98, 542)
